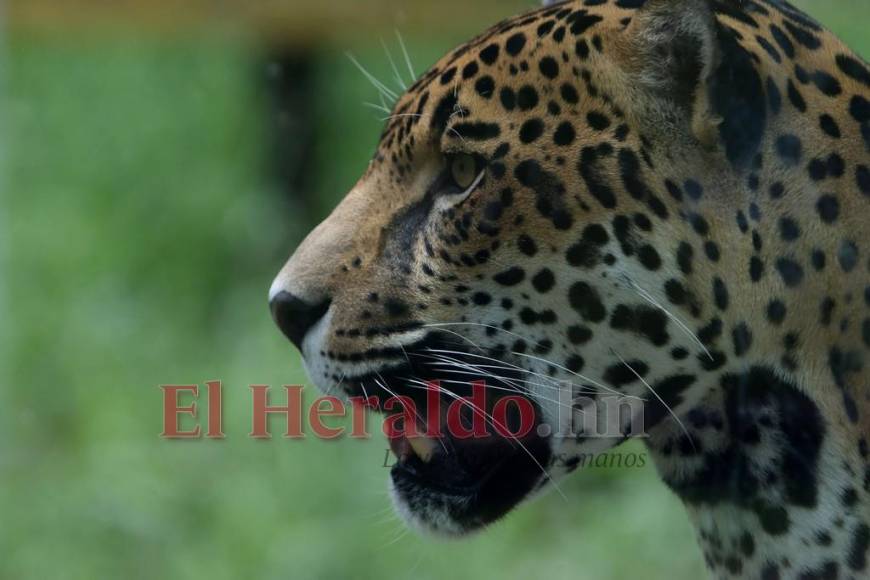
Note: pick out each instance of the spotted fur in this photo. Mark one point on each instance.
(675, 199)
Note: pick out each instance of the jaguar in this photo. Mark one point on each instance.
(660, 201)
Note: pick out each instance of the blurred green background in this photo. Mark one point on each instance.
(141, 223)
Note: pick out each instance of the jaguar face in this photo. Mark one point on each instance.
(512, 229)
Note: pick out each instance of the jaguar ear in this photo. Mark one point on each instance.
(672, 54)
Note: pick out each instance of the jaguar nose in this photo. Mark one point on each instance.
(295, 316)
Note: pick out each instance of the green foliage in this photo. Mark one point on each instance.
(138, 240)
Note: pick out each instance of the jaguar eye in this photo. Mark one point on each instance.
(463, 170)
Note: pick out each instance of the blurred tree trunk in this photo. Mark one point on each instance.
(291, 129)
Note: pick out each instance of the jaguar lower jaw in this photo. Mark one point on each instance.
(452, 487)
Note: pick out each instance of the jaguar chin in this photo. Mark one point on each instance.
(666, 200)
(452, 486)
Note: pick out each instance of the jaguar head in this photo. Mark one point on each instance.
(515, 228)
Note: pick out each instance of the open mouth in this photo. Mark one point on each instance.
(469, 443)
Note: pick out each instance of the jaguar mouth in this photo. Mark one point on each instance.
(468, 447)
